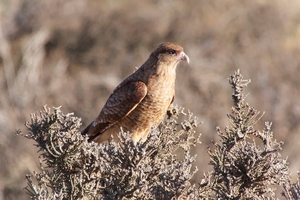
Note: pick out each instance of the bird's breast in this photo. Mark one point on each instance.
(152, 109)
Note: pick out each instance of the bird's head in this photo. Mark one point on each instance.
(170, 53)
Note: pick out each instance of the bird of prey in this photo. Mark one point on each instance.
(140, 101)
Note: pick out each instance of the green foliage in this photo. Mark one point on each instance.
(246, 162)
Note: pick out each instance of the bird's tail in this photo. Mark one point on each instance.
(93, 130)
(86, 129)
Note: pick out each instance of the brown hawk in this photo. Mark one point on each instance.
(141, 100)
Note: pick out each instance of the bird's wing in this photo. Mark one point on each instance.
(121, 102)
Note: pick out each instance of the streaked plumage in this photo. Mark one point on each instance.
(141, 100)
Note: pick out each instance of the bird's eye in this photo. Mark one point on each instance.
(173, 52)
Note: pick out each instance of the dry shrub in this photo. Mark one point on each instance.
(74, 53)
(72, 168)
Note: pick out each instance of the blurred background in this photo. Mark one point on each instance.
(74, 53)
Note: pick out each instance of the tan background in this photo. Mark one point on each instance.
(73, 53)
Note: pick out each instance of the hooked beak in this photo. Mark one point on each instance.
(184, 57)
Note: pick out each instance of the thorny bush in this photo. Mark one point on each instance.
(246, 162)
